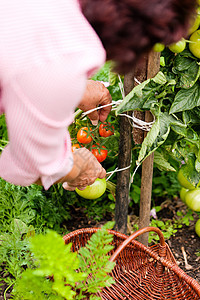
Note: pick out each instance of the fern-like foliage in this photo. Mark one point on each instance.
(60, 273)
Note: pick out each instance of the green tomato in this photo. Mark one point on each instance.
(192, 199)
(183, 180)
(93, 191)
(178, 47)
(183, 192)
(197, 227)
(195, 22)
(195, 45)
(158, 47)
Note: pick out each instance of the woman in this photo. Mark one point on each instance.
(48, 50)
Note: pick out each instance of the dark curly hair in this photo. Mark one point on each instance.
(128, 29)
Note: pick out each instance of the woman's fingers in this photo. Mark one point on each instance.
(89, 170)
(102, 174)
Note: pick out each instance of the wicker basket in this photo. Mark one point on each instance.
(141, 272)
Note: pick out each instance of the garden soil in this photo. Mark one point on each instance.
(184, 244)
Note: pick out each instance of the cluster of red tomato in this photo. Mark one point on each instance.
(85, 137)
(189, 194)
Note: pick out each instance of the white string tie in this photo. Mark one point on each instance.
(137, 123)
(116, 170)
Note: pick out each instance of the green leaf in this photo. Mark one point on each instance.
(149, 140)
(186, 99)
(162, 163)
(181, 63)
(113, 78)
(160, 78)
(189, 78)
(134, 99)
(19, 227)
(144, 95)
(192, 117)
(158, 134)
(197, 162)
(180, 130)
(188, 69)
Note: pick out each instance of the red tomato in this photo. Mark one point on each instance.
(75, 146)
(99, 153)
(83, 137)
(105, 131)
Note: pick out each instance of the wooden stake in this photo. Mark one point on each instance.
(124, 160)
(153, 67)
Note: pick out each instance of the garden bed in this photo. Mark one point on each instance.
(185, 242)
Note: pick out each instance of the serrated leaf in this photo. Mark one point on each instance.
(186, 99)
(158, 134)
(129, 102)
(149, 140)
(188, 69)
(143, 95)
(181, 63)
(162, 163)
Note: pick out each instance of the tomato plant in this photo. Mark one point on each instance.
(105, 130)
(194, 46)
(197, 227)
(178, 46)
(192, 199)
(84, 136)
(100, 152)
(74, 147)
(93, 191)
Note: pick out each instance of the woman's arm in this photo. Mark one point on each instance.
(39, 106)
(84, 172)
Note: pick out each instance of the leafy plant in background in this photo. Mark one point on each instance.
(170, 227)
(34, 206)
(14, 250)
(173, 96)
(62, 274)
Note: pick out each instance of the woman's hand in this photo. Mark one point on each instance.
(85, 171)
(96, 94)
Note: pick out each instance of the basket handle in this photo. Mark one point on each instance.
(134, 236)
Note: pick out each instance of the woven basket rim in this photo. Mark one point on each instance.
(172, 265)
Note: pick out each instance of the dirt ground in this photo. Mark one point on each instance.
(184, 245)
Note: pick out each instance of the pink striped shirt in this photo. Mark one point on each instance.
(47, 52)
